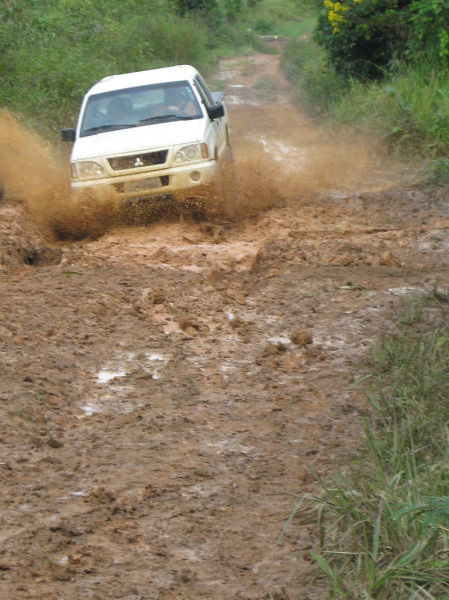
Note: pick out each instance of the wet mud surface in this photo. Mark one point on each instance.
(166, 388)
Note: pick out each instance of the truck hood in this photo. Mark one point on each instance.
(138, 139)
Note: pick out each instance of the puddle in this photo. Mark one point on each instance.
(230, 446)
(280, 340)
(237, 100)
(227, 367)
(120, 396)
(401, 291)
(74, 494)
(225, 73)
(196, 257)
(155, 356)
(200, 489)
(91, 408)
(105, 376)
(160, 358)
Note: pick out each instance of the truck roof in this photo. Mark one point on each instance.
(129, 80)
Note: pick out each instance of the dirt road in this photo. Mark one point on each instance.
(165, 388)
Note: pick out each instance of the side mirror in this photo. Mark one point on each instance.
(68, 135)
(216, 111)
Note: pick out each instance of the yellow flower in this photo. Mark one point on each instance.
(335, 13)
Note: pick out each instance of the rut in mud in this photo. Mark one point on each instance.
(167, 386)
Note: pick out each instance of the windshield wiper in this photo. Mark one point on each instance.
(158, 118)
(101, 128)
(171, 117)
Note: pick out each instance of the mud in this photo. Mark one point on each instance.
(167, 388)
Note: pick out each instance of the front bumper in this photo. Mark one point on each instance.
(177, 182)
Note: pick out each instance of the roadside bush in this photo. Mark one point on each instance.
(362, 37)
(429, 31)
(263, 26)
(216, 12)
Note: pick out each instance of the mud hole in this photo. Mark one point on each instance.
(165, 388)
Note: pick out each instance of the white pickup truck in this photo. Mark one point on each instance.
(150, 134)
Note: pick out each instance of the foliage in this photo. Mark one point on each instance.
(429, 20)
(410, 111)
(297, 29)
(216, 12)
(362, 37)
(287, 18)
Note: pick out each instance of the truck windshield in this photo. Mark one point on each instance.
(139, 106)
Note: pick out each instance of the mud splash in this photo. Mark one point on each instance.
(33, 175)
(29, 170)
(298, 159)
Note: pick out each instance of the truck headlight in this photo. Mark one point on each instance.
(87, 169)
(192, 152)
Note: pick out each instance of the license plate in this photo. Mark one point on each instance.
(142, 184)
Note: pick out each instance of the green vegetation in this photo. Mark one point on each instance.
(380, 66)
(363, 37)
(417, 105)
(316, 84)
(384, 527)
(289, 18)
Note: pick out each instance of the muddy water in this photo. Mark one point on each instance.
(167, 387)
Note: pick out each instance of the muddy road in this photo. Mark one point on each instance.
(166, 387)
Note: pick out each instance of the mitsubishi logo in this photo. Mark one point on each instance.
(138, 162)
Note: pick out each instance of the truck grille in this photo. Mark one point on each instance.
(135, 161)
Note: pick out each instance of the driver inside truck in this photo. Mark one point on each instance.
(177, 101)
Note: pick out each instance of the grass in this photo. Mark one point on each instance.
(283, 18)
(411, 111)
(316, 85)
(296, 28)
(384, 526)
